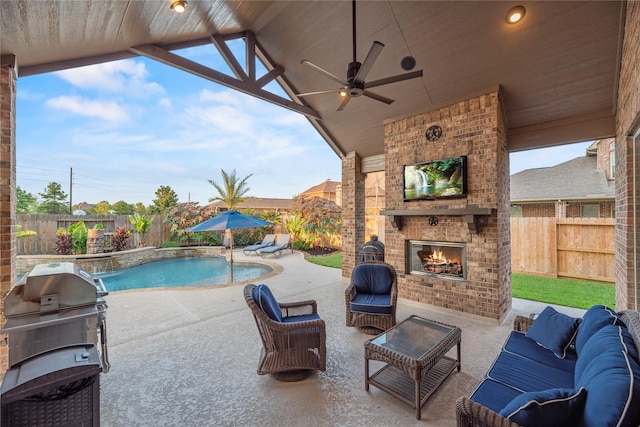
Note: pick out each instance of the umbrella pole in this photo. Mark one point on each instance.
(231, 249)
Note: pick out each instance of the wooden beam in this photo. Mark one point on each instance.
(244, 86)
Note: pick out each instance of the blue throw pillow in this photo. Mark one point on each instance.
(548, 408)
(554, 331)
(593, 320)
(267, 302)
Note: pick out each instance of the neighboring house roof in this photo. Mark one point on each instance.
(85, 206)
(575, 179)
(258, 203)
(325, 187)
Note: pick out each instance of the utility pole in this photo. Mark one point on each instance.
(71, 190)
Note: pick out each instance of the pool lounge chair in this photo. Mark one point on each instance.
(268, 240)
(282, 242)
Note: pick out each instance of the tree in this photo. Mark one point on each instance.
(165, 199)
(122, 208)
(103, 208)
(54, 200)
(26, 202)
(140, 208)
(232, 190)
(322, 219)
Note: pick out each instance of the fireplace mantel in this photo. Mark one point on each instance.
(471, 215)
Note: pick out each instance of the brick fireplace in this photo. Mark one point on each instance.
(473, 228)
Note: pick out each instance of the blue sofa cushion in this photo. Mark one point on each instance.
(374, 279)
(267, 302)
(608, 338)
(300, 318)
(554, 407)
(494, 395)
(613, 383)
(518, 343)
(528, 375)
(592, 321)
(554, 331)
(371, 303)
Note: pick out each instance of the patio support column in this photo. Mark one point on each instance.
(627, 242)
(353, 224)
(8, 78)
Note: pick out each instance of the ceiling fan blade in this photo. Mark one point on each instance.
(323, 71)
(344, 103)
(393, 79)
(378, 97)
(367, 65)
(320, 92)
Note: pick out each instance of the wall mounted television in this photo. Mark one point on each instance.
(435, 179)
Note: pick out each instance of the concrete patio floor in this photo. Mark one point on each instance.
(188, 357)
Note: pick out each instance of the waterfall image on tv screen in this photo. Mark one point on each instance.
(435, 179)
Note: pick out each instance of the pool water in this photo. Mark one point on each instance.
(180, 272)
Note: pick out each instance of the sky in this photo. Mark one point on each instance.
(120, 130)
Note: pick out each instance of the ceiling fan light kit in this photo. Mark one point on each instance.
(355, 84)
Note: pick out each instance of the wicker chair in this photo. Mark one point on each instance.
(293, 335)
(371, 297)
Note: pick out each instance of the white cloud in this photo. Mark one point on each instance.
(126, 76)
(106, 110)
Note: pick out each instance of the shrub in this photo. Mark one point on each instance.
(79, 233)
(120, 237)
(171, 244)
(64, 242)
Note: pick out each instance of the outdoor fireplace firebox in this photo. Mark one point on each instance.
(437, 259)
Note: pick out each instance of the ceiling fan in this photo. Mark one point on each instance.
(355, 84)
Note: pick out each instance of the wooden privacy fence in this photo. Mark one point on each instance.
(581, 248)
(46, 226)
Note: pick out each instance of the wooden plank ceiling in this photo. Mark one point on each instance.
(557, 70)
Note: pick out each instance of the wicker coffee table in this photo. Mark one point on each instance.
(414, 355)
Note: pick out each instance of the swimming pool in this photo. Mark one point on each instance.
(181, 272)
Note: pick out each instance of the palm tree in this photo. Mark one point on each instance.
(231, 190)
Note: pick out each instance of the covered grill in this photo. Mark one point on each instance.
(56, 327)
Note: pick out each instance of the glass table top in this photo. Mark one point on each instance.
(414, 337)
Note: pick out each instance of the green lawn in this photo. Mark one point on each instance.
(334, 260)
(567, 292)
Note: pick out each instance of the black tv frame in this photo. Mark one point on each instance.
(431, 195)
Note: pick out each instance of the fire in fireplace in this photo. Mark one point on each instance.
(438, 259)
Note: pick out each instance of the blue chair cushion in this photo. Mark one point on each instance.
(554, 407)
(554, 331)
(371, 303)
(267, 302)
(594, 319)
(494, 395)
(518, 343)
(613, 382)
(374, 279)
(301, 318)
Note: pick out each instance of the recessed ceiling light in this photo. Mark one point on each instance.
(515, 14)
(179, 6)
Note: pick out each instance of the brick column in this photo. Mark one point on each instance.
(353, 197)
(627, 124)
(8, 77)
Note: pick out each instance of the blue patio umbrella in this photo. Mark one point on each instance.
(229, 220)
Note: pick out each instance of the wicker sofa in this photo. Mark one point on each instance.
(558, 370)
